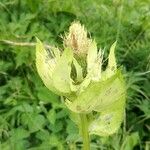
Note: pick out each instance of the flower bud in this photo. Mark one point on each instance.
(77, 39)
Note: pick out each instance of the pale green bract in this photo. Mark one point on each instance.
(54, 69)
(100, 91)
(94, 62)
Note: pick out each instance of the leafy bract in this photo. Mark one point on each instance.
(112, 66)
(94, 62)
(78, 70)
(45, 65)
(54, 69)
(98, 96)
(92, 56)
(109, 120)
(61, 75)
(104, 93)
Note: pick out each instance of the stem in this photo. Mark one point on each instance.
(13, 43)
(84, 131)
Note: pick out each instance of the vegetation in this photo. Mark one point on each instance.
(32, 117)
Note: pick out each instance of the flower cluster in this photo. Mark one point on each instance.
(97, 90)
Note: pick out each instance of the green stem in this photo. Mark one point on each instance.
(84, 131)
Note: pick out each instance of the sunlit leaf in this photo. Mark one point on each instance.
(99, 96)
(92, 56)
(78, 70)
(112, 66)
(45, 65)
(94, 62)
(131, 141)
(61, 75)
(109, 120)
(52, 116)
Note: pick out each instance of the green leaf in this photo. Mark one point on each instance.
(19, 133)
(24, 107)
(43, 135)
(49, 141)
(145, 107)
(47, 96)
(22, 57)
(131, 141)
(57, 127)
(17, 140)
(35, 122)
(72, 131)
(51, 116)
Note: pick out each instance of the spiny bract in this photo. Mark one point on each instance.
(98, 90)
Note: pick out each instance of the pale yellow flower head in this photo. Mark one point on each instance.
(77, 39)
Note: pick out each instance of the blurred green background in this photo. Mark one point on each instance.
(33, 118)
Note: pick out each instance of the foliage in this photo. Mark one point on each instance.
(31, 117)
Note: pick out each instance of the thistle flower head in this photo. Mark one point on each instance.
(77, 39)
(99, 91)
